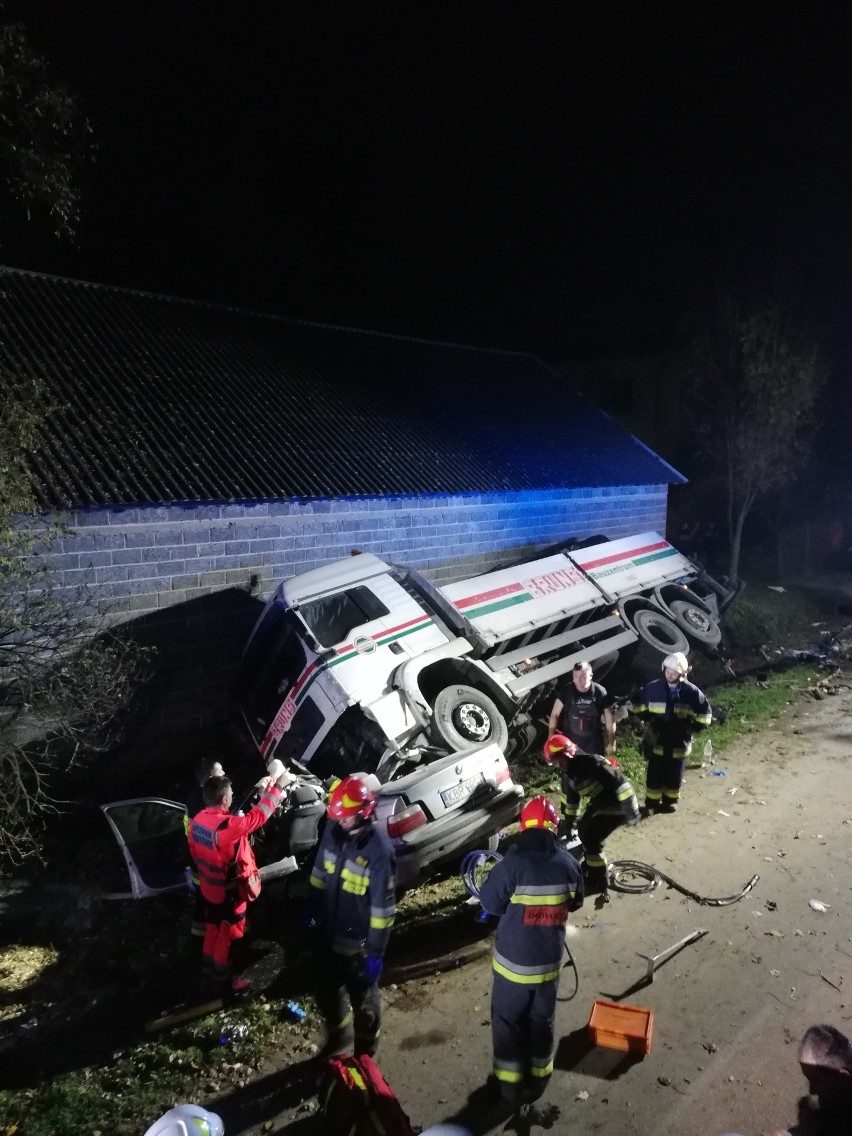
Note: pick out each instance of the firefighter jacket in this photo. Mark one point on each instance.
(354, 882)
(220, 848)
(532, 889)
(673, 716)
(601, 785)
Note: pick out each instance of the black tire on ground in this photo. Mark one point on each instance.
(657, 630)
(699, 626)
(465, 718)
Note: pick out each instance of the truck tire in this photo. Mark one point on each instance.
(657, 630)
(465, 718)
(696, 622)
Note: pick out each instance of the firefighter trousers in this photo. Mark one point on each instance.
(665, 775)
(350, 1004)
(522, 1025)
(593, 830)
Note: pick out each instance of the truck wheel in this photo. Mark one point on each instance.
(656, 629)
(465, 718)
(700, 628)
(604, 665)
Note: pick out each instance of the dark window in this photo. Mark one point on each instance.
(306, 724)
(270, 673)
(332, 618)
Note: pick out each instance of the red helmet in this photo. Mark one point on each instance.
(351, 797)
(556, 744)
(540, 812)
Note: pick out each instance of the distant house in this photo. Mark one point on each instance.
(197, 449)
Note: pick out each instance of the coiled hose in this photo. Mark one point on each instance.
(645, 878)
(474, 868)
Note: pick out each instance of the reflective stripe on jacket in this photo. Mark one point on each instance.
(219, 846)
(533, 889)
(591, 778)
(673, 716)
(354, 882)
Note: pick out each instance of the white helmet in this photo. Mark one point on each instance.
(677, 662)
(446, 1130)
(187, 1120)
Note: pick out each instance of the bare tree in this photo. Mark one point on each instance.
(44, 138)
(65, 677)
(757, 383)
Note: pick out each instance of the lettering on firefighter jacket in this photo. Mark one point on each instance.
(533, 889)
(673, 716)
(604, 788)
(220, 848)
(354, 887)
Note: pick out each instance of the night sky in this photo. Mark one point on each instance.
(570, 179)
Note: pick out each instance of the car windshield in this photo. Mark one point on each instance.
(273, 663)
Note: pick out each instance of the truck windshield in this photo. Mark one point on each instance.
(332, 618)
(272, 664)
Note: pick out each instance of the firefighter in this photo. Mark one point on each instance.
(205, 769)
(228, 877)
(609, 801)
(352, 909)
(674, 711)
(532, 890)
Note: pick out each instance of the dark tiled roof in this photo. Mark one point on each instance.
(165, 400)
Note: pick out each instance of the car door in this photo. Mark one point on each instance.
(151, 836)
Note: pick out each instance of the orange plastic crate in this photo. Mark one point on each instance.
(615, 1026)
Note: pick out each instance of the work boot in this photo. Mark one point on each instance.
(595, 881)
(649, 808)
(668, 806)
(541, 1115)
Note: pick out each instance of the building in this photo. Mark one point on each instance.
(201, 453)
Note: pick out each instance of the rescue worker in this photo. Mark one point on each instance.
(205, 769)
(352, 909)
(228, 876)
(532, 890)
(582, 712)
(674, 711)
(598, 784)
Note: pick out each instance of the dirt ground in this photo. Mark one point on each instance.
(728, 1010)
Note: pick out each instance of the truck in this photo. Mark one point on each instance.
(366, 666)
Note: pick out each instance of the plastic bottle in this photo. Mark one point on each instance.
(296, 1011)
(708, 751)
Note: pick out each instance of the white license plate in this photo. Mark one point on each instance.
(461, 792)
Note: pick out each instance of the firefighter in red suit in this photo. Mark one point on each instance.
(532, 890)
(227, 872)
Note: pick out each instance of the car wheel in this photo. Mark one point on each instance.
(465, 718)
(657, 630)
(695, 621)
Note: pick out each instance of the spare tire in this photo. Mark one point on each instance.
(465, 718)
(693, 618)
(657, 629)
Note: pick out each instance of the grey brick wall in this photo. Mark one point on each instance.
(191, 577)
(147, 558)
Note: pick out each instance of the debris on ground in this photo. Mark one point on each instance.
(818, 905)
